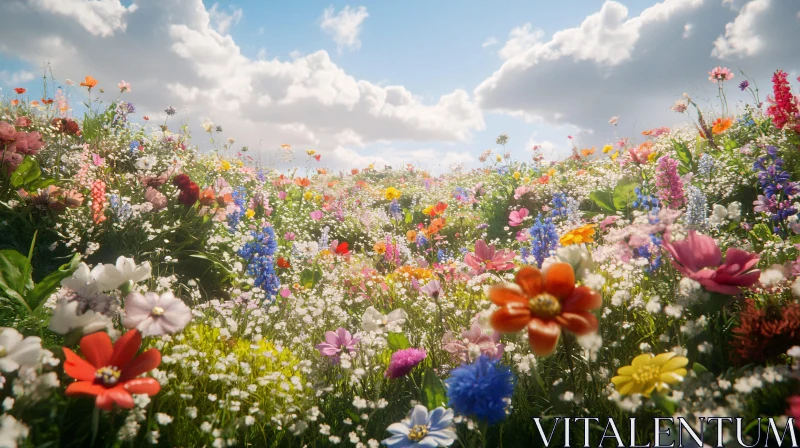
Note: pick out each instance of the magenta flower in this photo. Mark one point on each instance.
(699, 258)
(282, 195)
(669, 183)
(156, 315)
(473, 343)
(289, 236)
(336, 342)
(316, 215)
(517, 216)
(404, 361)
(486, 258)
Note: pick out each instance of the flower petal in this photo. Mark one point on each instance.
(125, 349)
(511, 318)
(543, 336)
(84, 388)
(559, 280)
(582, 298)
(147, 386)
(529, 278)
(77, 367)
(97, 349)
(501, 295)
(674, 364)
(580, 323)
(145, 362)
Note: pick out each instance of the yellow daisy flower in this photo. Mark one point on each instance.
(607, 149)
(225, 165)
(516, 175)
(392, 193)
(580, 235)
(647, 373)
(250, 213)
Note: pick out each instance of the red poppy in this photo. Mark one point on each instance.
(342, 248)
(20, 90)
(47, 101)
(318, 156)
(110, 372)
(284, 263)
(546, 304)
(181, 181)
(189, 195)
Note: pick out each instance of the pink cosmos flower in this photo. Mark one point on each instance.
(156, 315)
(699, 258)
(520, 191)
(289, 236)
(336, 342)
(316, 215)
(517, 216)
(473, 343)
(486, 258)
(97, 160)
(404, 361)
(720, 74)
(433, 288)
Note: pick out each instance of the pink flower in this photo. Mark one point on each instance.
(156, 315)
(282, 195)
(720, 74)
(517, 216)
(523, 236)
(486, 258)
(155, 197)
(97, 160)
(699, 258)
(124, 86)
(473, 343)
(433, 288)
(289, 236)
(794, 409)
(316, 215)
(336, 342)
(404, 361)
(520, 191)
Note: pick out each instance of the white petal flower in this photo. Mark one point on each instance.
(82, 281)
(11, 431)
(66, 318)
(16, 351)
(156, 315)
(110, 276)
(374, 320)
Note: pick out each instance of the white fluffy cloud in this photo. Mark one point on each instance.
(100, 17)
(345, 26)
(635, 67)
(9, 78)
(184, 61)
(221, 20)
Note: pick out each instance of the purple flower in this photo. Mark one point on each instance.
(336, 342)
(744, 85)
(403, 361)
(433, 288)
(156, 315)
(316, 215)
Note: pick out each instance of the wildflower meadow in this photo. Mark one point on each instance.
(155, 294)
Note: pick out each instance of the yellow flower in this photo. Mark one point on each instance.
(516, 175)
(614, 156)
(607, 149)
(392, 193)
(580, 235)
(526, 179)
(380, 247)
(428, 210)
(652, 156)
(499, 159)
(318, 198)
(310, 152)
(647, 373)
(250, 213)
(551, 171)
(308, 195)
(225, 165)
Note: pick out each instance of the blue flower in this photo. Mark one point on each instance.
(696, 207)
(481, 389)
(559, 205)
(776, 184)
(645, 201)
(544, 238)
(422, 241)
(705, 165)
(134, 146)
(394, 210)
(423, 429)
(239, 197)
(260, 257)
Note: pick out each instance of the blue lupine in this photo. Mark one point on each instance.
(260, 257)
(544, 239)
(239, 197)
(644, 200)
(706, 165)
(777, 185)
(394, 210)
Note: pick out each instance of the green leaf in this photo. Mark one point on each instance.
(624, 194)
(604, 200)
(14, 284)
(664, 403)
(51, 283)
(26, 172)
(699, 369)
(309, 277)
(409, 217)
(398, 341)
(684, 154)
(434, 393)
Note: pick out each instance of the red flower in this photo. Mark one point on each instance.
(342, 248)
(110, 372)
(545, 303)
(20, 90)
(765, 333)
(784, 106)
(189, 195)
(284, 263)
(181, 181)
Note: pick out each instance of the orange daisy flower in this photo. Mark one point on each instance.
(89, 82)
(587, 152)
(545, 304)
(302, 182)
(721, 125)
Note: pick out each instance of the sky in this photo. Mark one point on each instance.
(429, 83)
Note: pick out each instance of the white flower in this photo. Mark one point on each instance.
(66, 318)
(16, 351)
(373, 320)
(772, 276)
(163, 419)
(308, 249)
(11, 431)
(82, 281)
(146, 163)
(576, 255)
(208, 125)
(154, 315)
(109, 276)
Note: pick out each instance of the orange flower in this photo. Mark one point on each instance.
(14, 102)
(438, 209)
(89, 82)
(20, 90)
(721, 125)
(581, 172)
(285, 146)
(587, 152)
(546, 303)
(354, 171)
(544, 179)
(302, 182)
(436, 225)
(284, 263)
(332, 184)
(322, 171)
(35, 103)
(379, 247)
(47, 101)
(411, 236)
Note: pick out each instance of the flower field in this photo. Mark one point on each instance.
(155, 294)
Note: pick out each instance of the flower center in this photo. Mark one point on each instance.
(157, 311)
(417, 433)
(3, 352)
(646, 375)
(108, 376)
(544, 305)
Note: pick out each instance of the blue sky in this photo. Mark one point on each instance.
(274, 72)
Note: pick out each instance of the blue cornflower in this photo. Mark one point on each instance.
(645, 201)
(481, 389)
(652, 252)
(544, 238)
(134, 146)
(423, 429)
(394, 210)
(260, 257)
(502, 170)
(422, 241)
(444, 256)
(239, 197)
(461, 194)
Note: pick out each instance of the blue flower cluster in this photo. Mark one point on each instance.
(122, 209)
(480, 389)
(651, 252)
(394, 210)
(706, 165)
(134, 146)
(422, 241)
(544, 238)
(558, 205)
(122, 111)
(445, 256)
(696, 207)
(239, 197)
(644, 200)
(777, 186)
(461, 194)
(259, 255)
